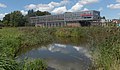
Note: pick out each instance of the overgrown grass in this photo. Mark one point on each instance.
(35, 64)
(11, 39)
(7, 63)
(106, 53)
(104, 42)
(71, 32)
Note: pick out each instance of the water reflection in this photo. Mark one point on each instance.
(61, 57)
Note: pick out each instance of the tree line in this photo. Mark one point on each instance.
(17, 19)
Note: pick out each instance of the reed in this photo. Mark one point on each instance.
(104, 43)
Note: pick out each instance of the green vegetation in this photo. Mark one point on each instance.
(106, 53)
(71, 32)
(28, 64)
(35, 64)
(104, 44)
(11, 39)
(32, 13)
(17, 19)
(14, 19)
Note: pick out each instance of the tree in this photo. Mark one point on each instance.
(32, 13)
(14, 19)
(6, 20)
(17, 18)
(0, 22)
(104, 17)
(39, 13)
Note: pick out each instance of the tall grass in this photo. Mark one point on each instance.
(11, 39)
(71, 32)
(34, 36)
(35, 64)
(106, 51)
(104, 42)
(8, 63)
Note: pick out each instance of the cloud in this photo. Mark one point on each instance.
(85, 9)
(31, 6)
(114, 6)
(60, 7)
(117, 0)
(46, 7)
(76, 7)
(59, 10)
(80, 4)
(84, 2)
(2, 15)
(24, 12)
(41, 7)
(64, 2)
(3, 5)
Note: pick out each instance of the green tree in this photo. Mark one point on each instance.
(39, 13)
(103, 17)
(14, 19)
(17, 18)
(32, 13)
(6, 20)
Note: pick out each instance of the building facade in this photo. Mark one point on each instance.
(73, 19)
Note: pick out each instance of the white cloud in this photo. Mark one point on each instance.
(117, 0)
(60, 7)
(80, 4)
(31, 6)
(24, 12)
(40, 7)
(114, 6)
(85, 9)
(3, 5)
(84, 2)
(64, 2)
(2, 15)
(76, 7)
(59, 10)
(46, 7)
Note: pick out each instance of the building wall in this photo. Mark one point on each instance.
(62, 19)
(73, 24)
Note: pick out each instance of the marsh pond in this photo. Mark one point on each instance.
(64, 54)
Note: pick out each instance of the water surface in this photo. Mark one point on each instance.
(61, 56)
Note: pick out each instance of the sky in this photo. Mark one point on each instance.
(108, 8)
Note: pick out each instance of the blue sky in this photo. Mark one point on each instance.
(108, 8)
